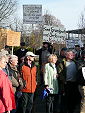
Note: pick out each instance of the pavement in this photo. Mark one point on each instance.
(40, 105)
(83, 100)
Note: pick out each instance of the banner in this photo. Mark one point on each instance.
(13, 38)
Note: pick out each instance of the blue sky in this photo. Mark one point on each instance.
(67, 11)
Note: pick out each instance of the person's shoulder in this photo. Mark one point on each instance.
(26, 50)
(61, 60)
(17, 51)
(2, 74)
(47, 64)
(20, 67)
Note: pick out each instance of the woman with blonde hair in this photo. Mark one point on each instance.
(51, 83)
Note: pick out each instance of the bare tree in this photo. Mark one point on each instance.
(7, 8)
(82, 21)
(51, 20)
(81, 25)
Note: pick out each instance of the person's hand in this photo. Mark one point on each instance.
(8, 112)
(46, 86)
(57, 75)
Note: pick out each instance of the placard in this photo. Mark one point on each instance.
(54, 34)
(13, 38)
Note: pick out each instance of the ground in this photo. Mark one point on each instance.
(83, 101)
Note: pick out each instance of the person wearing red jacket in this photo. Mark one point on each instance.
(7, 98)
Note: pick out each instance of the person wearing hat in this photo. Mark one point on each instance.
(43, 57)
(28, 73)
(43, 52)
(62, 52)
(21, 52)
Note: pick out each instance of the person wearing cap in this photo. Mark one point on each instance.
(28, 73)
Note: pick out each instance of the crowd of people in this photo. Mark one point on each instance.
(60, 75)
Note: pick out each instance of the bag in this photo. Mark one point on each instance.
(45, 92)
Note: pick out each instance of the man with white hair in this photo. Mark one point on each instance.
(68, 73)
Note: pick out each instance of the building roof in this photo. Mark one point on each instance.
(76, 31)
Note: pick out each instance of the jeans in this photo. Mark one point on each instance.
(25, 103)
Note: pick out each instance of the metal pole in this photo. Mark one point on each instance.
(32, 27)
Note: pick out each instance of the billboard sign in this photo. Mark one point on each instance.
(32, 14)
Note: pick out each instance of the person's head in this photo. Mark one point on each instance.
(63, 52)
(52, 58)
(77, 47)
(83, 45)
(45, 44)
(70, 55)
(22, 44)
(83, 56)
(5, 52)
(13, 60)
(6, 47)
(3, 60)
(30, 56)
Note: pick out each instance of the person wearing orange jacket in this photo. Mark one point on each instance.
(28, 72)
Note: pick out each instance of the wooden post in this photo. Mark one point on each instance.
(12, 50)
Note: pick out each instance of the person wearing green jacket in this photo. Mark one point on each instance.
(51, 83)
